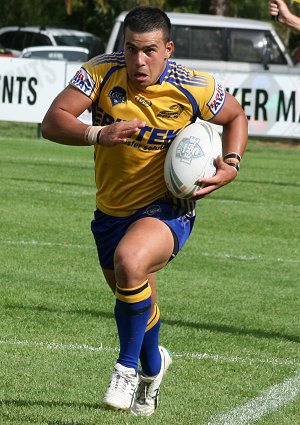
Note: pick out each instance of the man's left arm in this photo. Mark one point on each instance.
(234, 142)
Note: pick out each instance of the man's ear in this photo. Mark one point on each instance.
(169, 49)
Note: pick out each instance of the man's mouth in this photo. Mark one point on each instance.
(140, 76)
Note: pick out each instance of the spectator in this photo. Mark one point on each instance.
(279, 10)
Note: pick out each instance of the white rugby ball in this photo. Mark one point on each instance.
(190, 157)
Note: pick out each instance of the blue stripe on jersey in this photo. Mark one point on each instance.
(178, 80)
(189, 81)
(181, 75)
(109, 74)
(166, 72)
(117, 57)
(190, 97)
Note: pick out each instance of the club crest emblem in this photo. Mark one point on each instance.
(117, 95)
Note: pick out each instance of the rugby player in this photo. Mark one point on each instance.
(140, 100)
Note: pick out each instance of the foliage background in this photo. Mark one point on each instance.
(97, 16)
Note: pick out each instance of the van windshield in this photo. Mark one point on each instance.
(94, 44)
(73, 40)
(198, 43)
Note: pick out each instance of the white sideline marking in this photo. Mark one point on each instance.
(56, 345)
(270, 400)
(203, 254)
(49, 244)
(199, 356)
(66, 191)
(240, 360)
(248, 257)
(43, 160)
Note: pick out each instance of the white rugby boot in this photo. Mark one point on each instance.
(147, 393)
(121, 390)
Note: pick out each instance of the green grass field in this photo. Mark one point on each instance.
(229, 302)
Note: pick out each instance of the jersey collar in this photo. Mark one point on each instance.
(164, 74)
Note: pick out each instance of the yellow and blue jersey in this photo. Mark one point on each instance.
(130, 176)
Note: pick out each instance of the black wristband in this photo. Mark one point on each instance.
(233, 165)
(232, 155)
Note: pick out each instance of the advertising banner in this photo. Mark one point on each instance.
(271, 101)
(27, 88)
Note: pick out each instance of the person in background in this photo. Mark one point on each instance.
(140, 100)
(279, 10)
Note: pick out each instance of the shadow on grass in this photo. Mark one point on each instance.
(213, 327)
(86, 311)
(11, 403)
(266, 182)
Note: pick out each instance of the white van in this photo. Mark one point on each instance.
(210, 42)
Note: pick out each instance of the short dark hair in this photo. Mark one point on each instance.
(143, 19)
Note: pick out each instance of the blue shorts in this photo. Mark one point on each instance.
(109, 230)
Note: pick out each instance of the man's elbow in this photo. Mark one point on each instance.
(46, 128)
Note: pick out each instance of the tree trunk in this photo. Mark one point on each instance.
(218, 7)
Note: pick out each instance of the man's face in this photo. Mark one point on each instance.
(146, 55)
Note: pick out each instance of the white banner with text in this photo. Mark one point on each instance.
(271, 101)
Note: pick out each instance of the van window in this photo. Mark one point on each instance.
(13, 40)
(276, 55)
(198, 43)
(37, 39)
(251, 46)
(94, 44)
(7, 39)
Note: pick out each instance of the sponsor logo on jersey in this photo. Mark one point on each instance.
(153, 209)
(83, 81)
(189, 149)
(117, 95)
(174, 112)
(143, 101)
(217, 100)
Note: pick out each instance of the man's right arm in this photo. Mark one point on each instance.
(61, 124)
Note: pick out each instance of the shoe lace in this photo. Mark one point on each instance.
(146, 393)
(120, 381)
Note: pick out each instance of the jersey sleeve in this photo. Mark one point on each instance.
(88, 80)
(212, 100)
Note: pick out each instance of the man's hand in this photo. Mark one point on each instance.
(117, 133)
(279, 9)
(224, 175)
